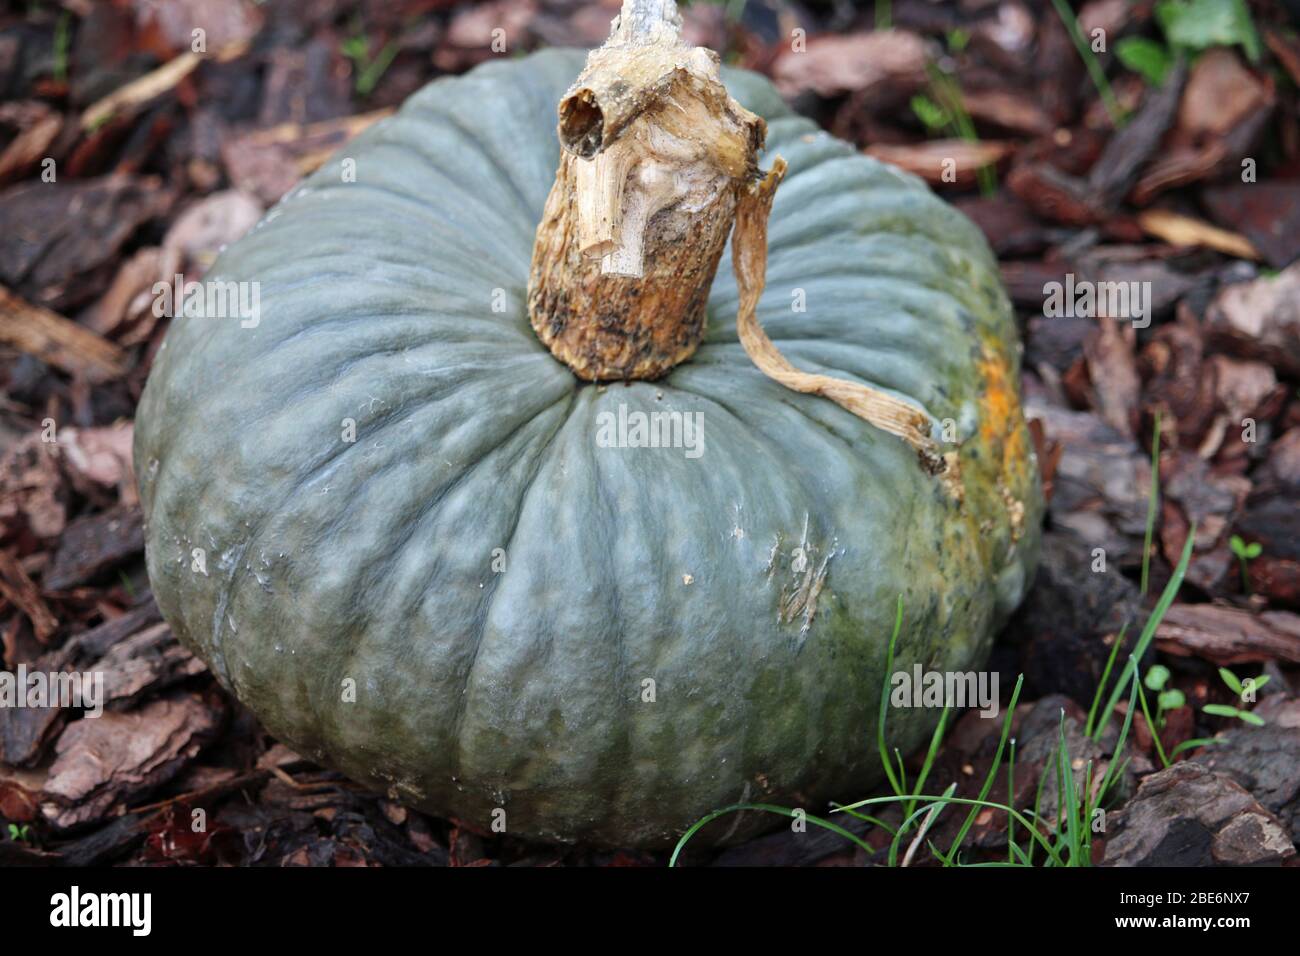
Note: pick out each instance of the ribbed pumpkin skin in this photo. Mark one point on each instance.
(372, 560)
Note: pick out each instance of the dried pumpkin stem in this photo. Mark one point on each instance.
(655, 153)
(658, 163)
(749, 260)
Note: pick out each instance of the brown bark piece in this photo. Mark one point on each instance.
(1226, 635)
(105, 762)
(93, 544)
(57, 341)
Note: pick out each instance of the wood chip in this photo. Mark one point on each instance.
(145, 663)
(1226, 635)
(131, 292)
(1179, 230)
(105, 763)
(861, 61)
(1008, 109)
(1120, 163)
(1260, 319)
(152, 85)
(1266, 213)
(60, 241)
(29, 147)
(22, 592)
(95, 543)
(57, 341)
(1113, 371)
(954, 162)
(268, 162)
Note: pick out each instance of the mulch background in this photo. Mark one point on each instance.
(161, 157)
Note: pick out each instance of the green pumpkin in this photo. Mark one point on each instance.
(477, 603)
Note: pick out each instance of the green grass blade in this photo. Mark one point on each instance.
(1153, 502)
(1151, 724)
(1011, 799)
(964, 801)
(884, 702)
(932, 753)
(1101, 685)
(993, 769)
(1193, 742)
(1149, 630)
(767, 808)
(1108, 780)
(1095, 72)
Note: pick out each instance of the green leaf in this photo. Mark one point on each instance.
(934, 116)
(1220, 710)
(1156, 677)
(355, 48)
(1250, 718)
(1237, 545)
(1172, 699)
(1231, 680)
(1201, 24)
(1254, 550)
(1146, 57)
(1261, 680)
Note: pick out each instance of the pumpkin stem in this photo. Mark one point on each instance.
(889, 414)
(655, 154)
(658, 163)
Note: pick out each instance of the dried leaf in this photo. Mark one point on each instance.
(860, 61)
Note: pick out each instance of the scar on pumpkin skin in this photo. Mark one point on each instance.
(800, 597)
(803, 600)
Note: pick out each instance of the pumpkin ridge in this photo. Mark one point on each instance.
(434, 502)
(400, 415)
(815, 427)
(267, 239)
(527, 214)
(316, 473)
(436, 216)
(565, 419)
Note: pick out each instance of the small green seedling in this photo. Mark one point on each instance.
(1245, 552)
(1223, 710)
(1245, 691)
(1189, 26)
(1168, 698)
(1196, 25)
(20, 834)
(1148, 58)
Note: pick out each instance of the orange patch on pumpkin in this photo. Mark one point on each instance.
(999, 411)
(1003, 433)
